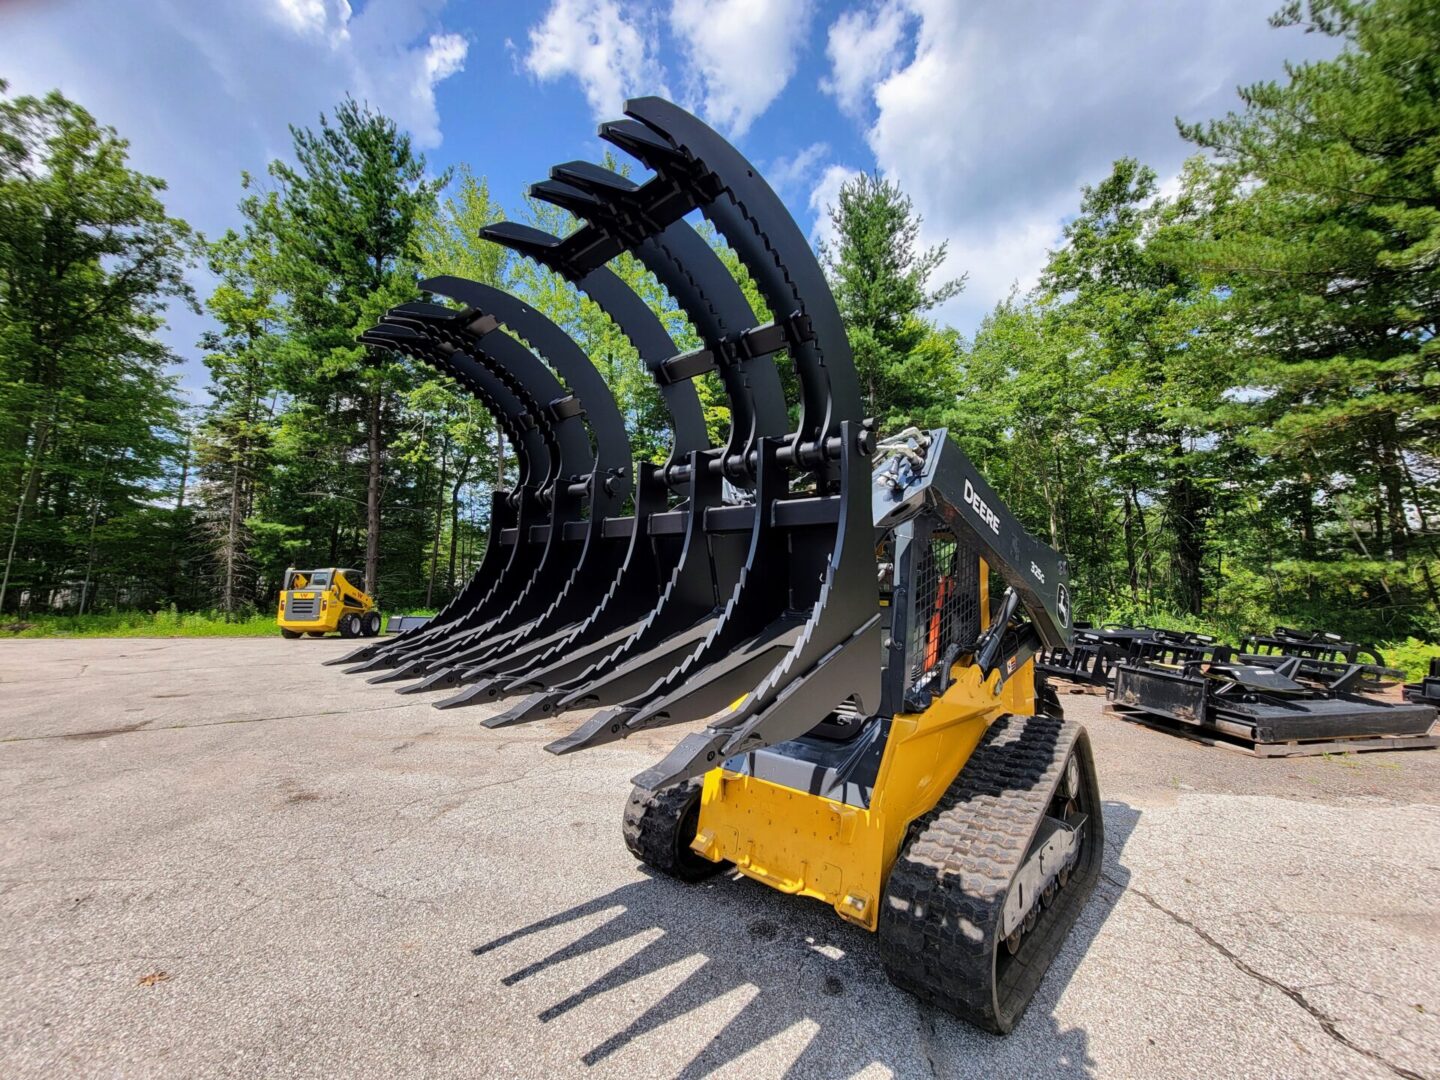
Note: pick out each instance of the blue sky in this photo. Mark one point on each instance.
(990, 114)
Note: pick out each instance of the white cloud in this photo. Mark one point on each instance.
(824, 195)
(741, 54)
(992, 116)
(863, 47)
(314, 18)
(609, 51)
(738, 55)
(789, 173)
(444, 56)
(204, 91)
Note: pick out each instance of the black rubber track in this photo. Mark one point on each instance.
(940, 921)
(659, 826)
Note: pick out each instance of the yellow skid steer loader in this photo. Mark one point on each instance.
(320, 602)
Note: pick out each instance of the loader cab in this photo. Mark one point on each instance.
(324, 601)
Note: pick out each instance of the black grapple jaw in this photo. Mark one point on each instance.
(740, 593)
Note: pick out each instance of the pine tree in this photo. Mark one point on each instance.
(343, 230)
(882, 285)
(1328, 248)
(89, 418)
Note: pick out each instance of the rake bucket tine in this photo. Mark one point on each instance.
(468, 696)
(423, 686)
(631, 315)
(410, 669)
(701, 284)
(516, 604)
(445, 678)
(834, 660)
(544, 605)
(689, 268)
(536, 706)
(531, 456)
(636, 588)
(709, 692)
(830, 441)
(688, 601)
(756, 224)
(530, 440)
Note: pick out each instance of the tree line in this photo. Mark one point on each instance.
(1221, 402)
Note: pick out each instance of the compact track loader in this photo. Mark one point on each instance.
(849, 629)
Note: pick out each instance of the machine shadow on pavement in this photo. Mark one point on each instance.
(806, 967)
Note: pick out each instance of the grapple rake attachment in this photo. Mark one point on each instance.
(1325, 659)
(817, 612)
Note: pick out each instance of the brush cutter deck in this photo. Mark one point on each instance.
(1275, 700)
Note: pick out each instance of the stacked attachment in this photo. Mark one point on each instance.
(1092, 653)
(1270, 703)
(1427, 690)
(1324, 657)
(861, 710)
(736, 579)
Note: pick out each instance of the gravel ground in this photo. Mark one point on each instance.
(221, 858)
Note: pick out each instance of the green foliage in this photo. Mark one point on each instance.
(1222, 404)
(338, 241)
(1324, 236)
(89, 419)
(1410, 655)
(881, 283)
(165, 623)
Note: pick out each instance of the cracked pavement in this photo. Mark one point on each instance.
(219, 858)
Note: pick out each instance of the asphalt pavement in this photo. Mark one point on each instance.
(220, 858)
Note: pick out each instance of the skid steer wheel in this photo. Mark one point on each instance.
(659, 826)
(350, 625)
(941, 924)
(290, 635)
(371, 624)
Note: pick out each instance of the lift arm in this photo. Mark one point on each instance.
(928, 471)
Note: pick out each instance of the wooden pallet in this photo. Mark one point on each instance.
(1236, 740)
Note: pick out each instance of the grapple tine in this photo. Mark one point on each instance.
(468, 340)
(379, 662)
(445, 678)
(534, 707)
(365, 652)
(471, 695)
(415, 687)
(480, 691)
(409, 669)
(512, 401)
(605, 726)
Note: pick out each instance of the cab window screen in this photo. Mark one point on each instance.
(320, 579)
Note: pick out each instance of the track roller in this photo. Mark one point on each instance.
(659, 826)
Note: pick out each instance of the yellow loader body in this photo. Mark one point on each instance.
(326, 601)
(810, 845)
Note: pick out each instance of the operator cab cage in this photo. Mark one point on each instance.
(321, 579)
(940, 534)
(940, 528)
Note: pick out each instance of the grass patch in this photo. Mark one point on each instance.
(123, 624)
(139, 624)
